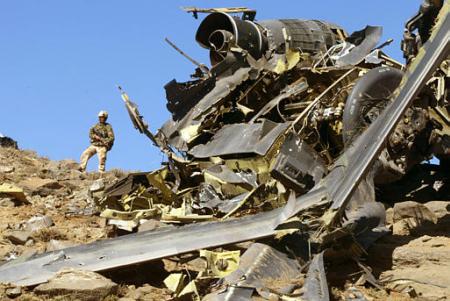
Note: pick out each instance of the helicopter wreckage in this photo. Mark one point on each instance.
(286, 137)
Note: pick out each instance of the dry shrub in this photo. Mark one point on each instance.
(47, 234)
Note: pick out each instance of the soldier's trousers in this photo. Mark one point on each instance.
(89, 152)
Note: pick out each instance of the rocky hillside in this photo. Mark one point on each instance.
(49, 205)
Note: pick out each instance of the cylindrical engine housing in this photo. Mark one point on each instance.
(218, 32)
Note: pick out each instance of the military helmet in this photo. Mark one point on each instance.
(103, 114)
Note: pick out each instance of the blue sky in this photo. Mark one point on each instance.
(60, 62)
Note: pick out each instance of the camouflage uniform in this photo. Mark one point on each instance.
(102, 140)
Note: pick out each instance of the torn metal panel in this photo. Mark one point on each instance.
(261, 267)
(181, 97)
(231, 205)
(298, 166)
(241, 138)
(294, 89)
(140, 247)
(172, 129)
(127, 184)
(316, 286)
(208, 197)
(224, 175)
(365, 41)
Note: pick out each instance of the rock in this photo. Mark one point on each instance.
(124, 225)
(7, 202)
(14, 192)
(78, 284)
(147, 293)
(8, 142)
(424, 250)
(6, 169)
(97, 185)
(390, 216)
(14, 292)
(40, 186)
(18, 237)
(37, 223)
(54, 245)
(412, 218)
(68, 164)
(441, 209)
(5, 250)
(150, 225)
(72, 174)
(27, 254)
(422, 266)
(414, 210)
(196, 265)
(34, 183)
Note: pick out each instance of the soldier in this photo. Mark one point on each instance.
(102, 140)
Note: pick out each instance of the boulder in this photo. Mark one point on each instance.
(68, 164)
(78, 284)
(54, 245)
(412, 218)
(441, 209)
(8, 142)
(18, 237)
(5, 250)
(6, 169)
(422, 251)
(413, 210)
(14, 192)
(14, 292)
(40, 186)
(422, 265)
(150, 225)
(37, 223)
(98, 185)
(7, 202)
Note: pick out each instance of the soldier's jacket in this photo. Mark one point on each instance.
(104, 132)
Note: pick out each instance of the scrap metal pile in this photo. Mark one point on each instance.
(286, 137)
(281, 102)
